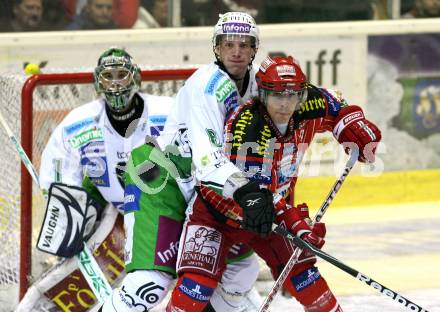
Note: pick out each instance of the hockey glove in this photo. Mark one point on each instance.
(351, 127)
(258, 208)
(292, 219)
(318, 227)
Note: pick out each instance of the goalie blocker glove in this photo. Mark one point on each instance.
(351, 127)
(69, 221)
(258, 208)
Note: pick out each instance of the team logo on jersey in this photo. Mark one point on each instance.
(201, 248)
(213, 138)
(77, 126)
(86, 137)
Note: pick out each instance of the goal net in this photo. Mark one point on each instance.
(32, 107)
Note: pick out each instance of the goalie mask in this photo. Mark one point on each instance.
(233, 26)
(281, 76)
(117, 78)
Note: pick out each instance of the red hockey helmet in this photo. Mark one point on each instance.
(281, 75)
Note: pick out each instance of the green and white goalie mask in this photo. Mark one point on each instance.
(117, 78)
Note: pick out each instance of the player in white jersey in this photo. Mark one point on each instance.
(94, 140)
(88, 150)
(202, 106)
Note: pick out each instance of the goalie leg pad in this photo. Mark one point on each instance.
(140, 291)
(69, 219)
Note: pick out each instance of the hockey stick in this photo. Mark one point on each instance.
(318, 216)
(411, 306)
(86, 262)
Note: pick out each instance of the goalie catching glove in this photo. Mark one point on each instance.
(351, 127)
(69, 221)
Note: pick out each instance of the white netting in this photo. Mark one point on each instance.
(51, 104)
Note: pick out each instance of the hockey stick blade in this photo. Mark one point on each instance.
(318, 216)
(411, 306)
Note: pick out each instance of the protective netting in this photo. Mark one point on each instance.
(50, 104)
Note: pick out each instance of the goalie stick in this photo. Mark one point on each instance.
(86, 262)
(318, 216)
(411, 306)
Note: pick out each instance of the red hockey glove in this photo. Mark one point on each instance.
(292, 218)
(318, 228)
(351, 127)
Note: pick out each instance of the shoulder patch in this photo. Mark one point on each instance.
(131, 198)
(213, 137)
(213, 81)
(76, 126)
(158, 119)
(334, 101)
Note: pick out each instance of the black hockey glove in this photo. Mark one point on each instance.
(258, 208)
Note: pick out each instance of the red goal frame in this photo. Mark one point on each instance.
(26, 141)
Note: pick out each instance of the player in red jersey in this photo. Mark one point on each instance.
(267, 139)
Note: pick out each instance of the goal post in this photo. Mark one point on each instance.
(45, 100)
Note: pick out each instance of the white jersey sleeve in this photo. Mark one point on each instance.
(60, 160)
(202, 105)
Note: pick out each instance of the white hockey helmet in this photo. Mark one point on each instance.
(235, 24)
